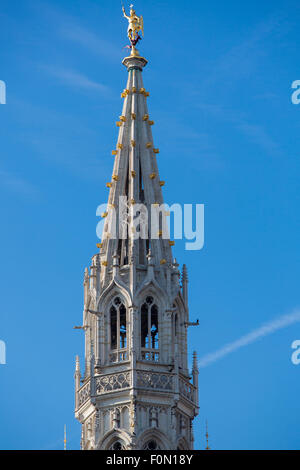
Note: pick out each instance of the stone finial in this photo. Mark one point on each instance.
(77, 377)
(116, 264)
(150, 267)
(92, 369)
(195, 362)
(82, 439)
(96, 261)
(94, 271)
(86, 275)
(184, 282)
(184, 274)
(77, 365)
(86, 284)
(195, 374)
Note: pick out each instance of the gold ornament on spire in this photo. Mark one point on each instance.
(135, 25)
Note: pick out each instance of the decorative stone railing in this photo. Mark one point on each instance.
(112, 382)
(187, 389)
(154, 380)
(103, 384)
(145, 379)
(84, 394)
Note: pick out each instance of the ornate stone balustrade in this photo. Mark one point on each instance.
(84, 393)
(104, 384)
(112, 382)
(154, 380)
(145, 379)
(187, 389)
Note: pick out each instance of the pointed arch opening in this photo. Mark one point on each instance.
(153, 439)
(149, 330)
(151, 445)
(118, 331)
(117, 445)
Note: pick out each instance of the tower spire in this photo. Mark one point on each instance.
(135, 186)
(136, 391)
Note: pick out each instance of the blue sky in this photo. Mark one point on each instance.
(220, 76)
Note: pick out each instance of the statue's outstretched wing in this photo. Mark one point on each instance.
(142, 24)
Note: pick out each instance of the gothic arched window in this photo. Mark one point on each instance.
(117, 445)
(151, 445)
(118, 331)
(149, 330)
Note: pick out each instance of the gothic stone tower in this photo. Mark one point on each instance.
(136, 391)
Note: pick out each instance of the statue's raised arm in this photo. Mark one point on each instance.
(135, 25)
(124, 13)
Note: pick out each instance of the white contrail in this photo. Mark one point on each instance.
(264, 330)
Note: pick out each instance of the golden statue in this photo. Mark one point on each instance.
(136, 24)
